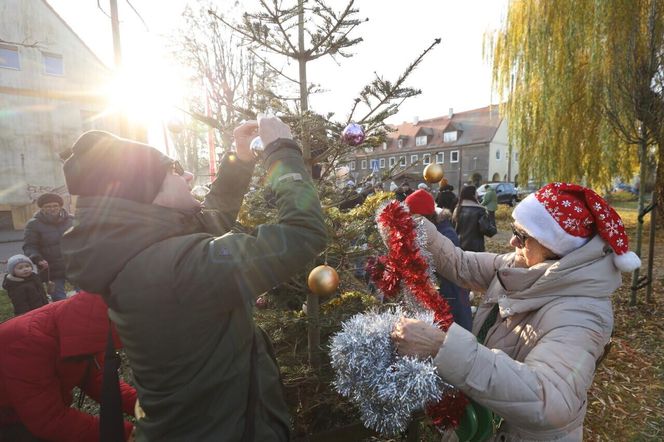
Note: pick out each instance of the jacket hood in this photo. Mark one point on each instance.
(108, 232)
(11, 281)
(588, 271)
(468, 203)
(82, 323)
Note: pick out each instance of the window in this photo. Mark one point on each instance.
(392, 161)
(382, 163)
(426, 159)
(449, 137)
(9, 57)
(53, 64)
(498, 154)
(421, 140)
(364, 164)
(414, 159)
(454, 156)
(399, 143)
(352, 165)
(402, 161)
(374, 165)
(384, 145)
(440, 157)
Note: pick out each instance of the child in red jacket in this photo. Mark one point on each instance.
(45, 354)
(23, 285)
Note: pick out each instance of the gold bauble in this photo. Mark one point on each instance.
(323, 280)
(433, 173)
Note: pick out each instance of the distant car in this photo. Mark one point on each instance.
(524, 191)
(625, 188)
(505, 193)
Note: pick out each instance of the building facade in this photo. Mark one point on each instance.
(471, 146)
(51, 87)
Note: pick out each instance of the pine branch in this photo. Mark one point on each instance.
(278, 71)
(278, 21)
(390, 91)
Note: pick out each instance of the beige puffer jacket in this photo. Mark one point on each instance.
(540, 356)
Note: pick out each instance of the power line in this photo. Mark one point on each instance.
(139, 15)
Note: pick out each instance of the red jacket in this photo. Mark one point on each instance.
(47, 352)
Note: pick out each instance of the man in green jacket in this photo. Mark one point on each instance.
(181, 285)
(490, 201)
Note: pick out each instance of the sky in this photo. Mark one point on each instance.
(454, 75)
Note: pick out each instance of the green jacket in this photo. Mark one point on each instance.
(490, 200)
(181, 290)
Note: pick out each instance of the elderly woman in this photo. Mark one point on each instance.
(545, 318)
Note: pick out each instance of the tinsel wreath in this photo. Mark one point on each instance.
(386, 386)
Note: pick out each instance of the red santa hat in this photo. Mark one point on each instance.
(421, 202)
(563, 217)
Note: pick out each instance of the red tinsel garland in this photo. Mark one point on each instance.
(405, 264)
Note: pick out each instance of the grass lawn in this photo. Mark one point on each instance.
(6, 309)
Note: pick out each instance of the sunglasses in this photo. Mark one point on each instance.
(521, 237)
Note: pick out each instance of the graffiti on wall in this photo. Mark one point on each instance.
(35, 192)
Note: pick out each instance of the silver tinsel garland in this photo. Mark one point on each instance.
(386, 387)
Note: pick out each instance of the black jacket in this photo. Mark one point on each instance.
(26, 293)
(468, 227)
(42, 240)
(181, 290)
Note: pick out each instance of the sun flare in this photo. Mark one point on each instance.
(146, 92)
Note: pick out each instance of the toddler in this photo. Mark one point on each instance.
(23, 285)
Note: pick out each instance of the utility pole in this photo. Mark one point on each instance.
(115, 25)
(122, 123)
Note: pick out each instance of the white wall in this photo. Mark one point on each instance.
(40, 114)
(500, 143)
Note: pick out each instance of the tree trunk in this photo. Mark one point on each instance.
(659, 185)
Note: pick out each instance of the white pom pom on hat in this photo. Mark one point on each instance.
(563, 217)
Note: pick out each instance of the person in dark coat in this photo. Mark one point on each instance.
(446, 199)
(421, 202)
(181, 281)
(23, 284)
(403, 191)
(42, 236)
(457, 297)
(466, 220)
(45, 354)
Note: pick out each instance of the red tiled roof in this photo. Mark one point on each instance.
(474, 126)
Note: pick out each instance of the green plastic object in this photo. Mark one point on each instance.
(468, 425)
(484, 423)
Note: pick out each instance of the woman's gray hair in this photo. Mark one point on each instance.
(443, 214)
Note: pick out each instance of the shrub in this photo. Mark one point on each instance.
(621, 196)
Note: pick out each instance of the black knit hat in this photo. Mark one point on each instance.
(102, 164)
(46, 198)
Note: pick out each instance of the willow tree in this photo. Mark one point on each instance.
(583, 86)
